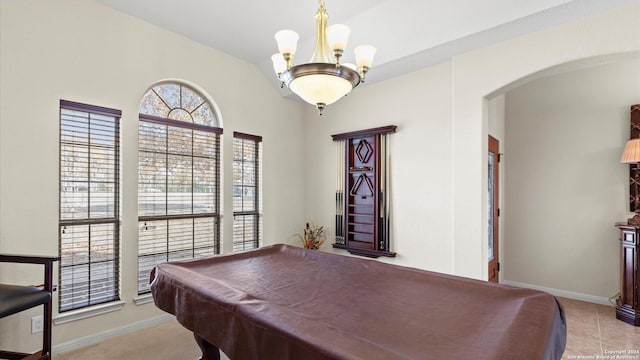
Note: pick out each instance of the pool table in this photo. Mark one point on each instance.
(285, 302)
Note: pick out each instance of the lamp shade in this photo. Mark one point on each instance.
(287, 41)
(320, 88)
(337, 36)
(279, 63)
(364, 55)
(631, 153)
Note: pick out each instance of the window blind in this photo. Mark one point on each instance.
(178, 192)
(246, 191)
(89, 205)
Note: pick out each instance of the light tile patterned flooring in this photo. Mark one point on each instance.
(593, 332)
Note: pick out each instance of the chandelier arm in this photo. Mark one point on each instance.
(337, 53)
(363, 72)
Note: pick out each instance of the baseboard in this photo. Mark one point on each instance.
(94, 339)
(563, 293)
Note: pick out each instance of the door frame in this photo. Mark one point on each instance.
(494, 264)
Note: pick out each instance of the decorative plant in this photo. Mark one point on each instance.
(312, 236)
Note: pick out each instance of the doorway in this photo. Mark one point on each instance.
(493, 207)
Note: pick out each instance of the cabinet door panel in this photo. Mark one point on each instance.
(628, 276)
(629, 237)
(362, 196)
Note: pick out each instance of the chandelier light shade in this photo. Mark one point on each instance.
(337, 37)
(323, 80)
(287, 42)
(279, 64)
(364, 56)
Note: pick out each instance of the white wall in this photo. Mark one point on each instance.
(484, 72)
(85, 52)
(419, 104)
(565, 186)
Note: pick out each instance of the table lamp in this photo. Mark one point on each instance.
(631, 155)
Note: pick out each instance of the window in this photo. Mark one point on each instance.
(178, 178)
(246, 191)
(89, 208)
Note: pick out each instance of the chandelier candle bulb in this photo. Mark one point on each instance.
(321, 82)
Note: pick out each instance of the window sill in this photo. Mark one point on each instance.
(143, 299)
(80, 314)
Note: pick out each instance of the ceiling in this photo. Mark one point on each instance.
(409, 34)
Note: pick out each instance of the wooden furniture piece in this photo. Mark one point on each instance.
(17, 298)
(284, 302)
(362, 194)
(629, 307)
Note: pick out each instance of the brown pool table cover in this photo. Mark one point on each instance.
(284, 302)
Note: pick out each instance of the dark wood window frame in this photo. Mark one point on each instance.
(89, 214)
(247, 232)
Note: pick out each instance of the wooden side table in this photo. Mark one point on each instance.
(629, 309)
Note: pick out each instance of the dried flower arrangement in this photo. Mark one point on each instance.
(312, 236)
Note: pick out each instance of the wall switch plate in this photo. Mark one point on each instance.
(37, 324)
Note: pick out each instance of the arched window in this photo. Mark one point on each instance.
(178, 177)
(179, 102)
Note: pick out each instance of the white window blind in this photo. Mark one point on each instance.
(247, 165)
(89, 205)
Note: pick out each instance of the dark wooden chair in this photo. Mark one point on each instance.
(17, 298)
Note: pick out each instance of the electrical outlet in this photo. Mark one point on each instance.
(36, 324)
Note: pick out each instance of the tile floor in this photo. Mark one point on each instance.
(593, 332)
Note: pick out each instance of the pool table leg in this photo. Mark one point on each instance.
(209, 352)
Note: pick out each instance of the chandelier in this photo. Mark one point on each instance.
(323, 80)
